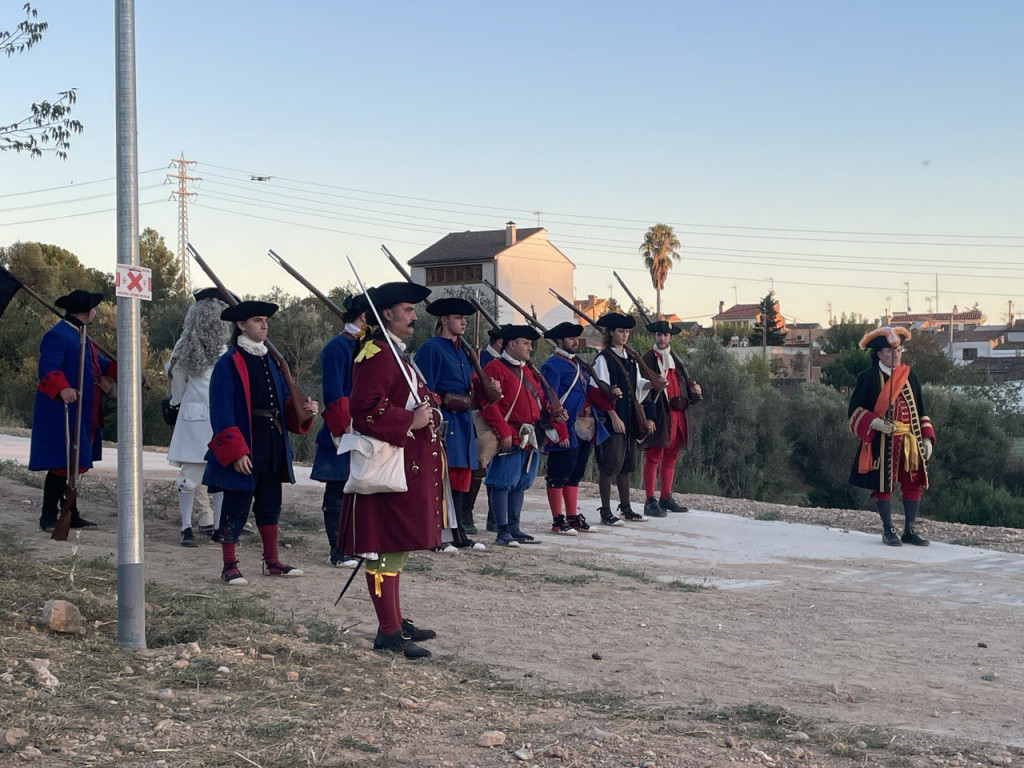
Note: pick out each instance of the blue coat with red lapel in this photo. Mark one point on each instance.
(58, 369)
(232, 423)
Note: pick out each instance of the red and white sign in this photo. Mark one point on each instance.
(132, 282)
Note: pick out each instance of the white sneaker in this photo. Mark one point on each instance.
(478, 545)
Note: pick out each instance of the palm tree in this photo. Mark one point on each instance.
(659, 249)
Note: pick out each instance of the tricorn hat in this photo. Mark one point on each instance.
(78, 301)
(564, 330)
(614, 320)
(509, 332)
(493, 333)
(244, 310)
(663, 326)
(388, 294)
(356, 303)
(451, 305)
(884, 337)
(204, 294)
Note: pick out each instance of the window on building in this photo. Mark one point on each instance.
(461, 274)
(970, 353)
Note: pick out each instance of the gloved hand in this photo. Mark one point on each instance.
(881, 425)
(926, 449)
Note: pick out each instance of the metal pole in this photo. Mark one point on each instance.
(131, 569)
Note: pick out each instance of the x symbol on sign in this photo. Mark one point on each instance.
(135, 281)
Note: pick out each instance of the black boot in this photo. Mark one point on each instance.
(399, 643)
(53, 492)
(627, 513)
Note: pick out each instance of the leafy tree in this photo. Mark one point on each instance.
(842, 371)
(660, 249)
(769, 318)
(48, 121)
(846, 334)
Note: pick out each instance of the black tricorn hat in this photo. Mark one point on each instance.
(564, 330)
(614, 320)
(663, 326)
(388, 294)
(509, 332)
(451, 305)
(78, 301)
(244, 310)
(356, 302)
(204, 294)
(493, 333)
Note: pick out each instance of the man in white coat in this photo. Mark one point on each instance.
(204, 339)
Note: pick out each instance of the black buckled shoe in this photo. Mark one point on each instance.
(81, 522)
(416, 634)
(891, 538)
(910, 536)
(399, 643)
(578, 522)
(607, 518)
(47, 524)
(188, 538)
(627, 513)
(670, 505)
(651, 508)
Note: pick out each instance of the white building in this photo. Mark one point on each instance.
(521, 262)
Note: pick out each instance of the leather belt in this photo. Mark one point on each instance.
(274, 416)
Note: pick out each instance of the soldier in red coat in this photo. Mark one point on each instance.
(515, 419)
(382, 528)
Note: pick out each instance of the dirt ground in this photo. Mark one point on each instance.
(577, 656)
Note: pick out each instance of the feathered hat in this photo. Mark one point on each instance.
(884, 337)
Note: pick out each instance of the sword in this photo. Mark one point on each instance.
(349, 582)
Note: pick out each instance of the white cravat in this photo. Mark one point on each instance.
(257, 348)
(517, 363)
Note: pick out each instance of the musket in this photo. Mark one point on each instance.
(309, 286)
(53, 309)
(294, 393)
(638, 410)
(553, 400)
(691, 393)
(531, 318)
(645, 369)
(63, 525)
(399, 360)
(493, 394)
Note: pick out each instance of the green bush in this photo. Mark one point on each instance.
(978, 502)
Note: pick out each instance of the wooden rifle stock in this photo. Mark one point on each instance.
(691, 392)
(485, 381)
(63, 525)
(294, 393)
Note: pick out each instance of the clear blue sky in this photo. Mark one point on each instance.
(770, 134)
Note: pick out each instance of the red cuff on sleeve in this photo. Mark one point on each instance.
(599, 401)
(228, 446)
(860, 424)
(292, 424)
(337, 416)
(52, 383)
(926, 429)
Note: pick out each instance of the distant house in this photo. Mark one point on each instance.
(804, 334)
(521, 262)
(593, 307)
(745, 315)
(960, 320)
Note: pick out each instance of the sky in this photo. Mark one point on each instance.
(849, 156)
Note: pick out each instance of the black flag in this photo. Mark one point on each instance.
(9, 286)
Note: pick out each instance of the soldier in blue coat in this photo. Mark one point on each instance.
(567, 464)
(250, 455)
(57, 406)
(329, 466)
(444, 361)
(492, 351)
